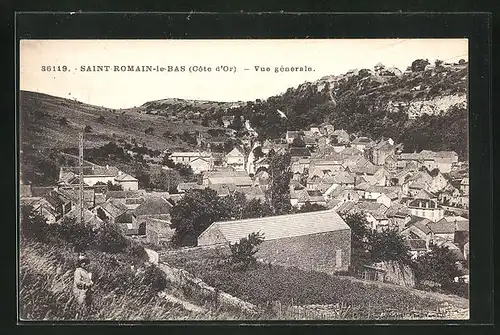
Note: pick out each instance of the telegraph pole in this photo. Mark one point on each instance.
(80, 165)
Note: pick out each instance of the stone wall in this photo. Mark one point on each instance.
(316, 252)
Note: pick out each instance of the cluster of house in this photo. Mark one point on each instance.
(133, 210)
(411, 192)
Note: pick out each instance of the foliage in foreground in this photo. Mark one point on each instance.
(263, 284)
(243, 252)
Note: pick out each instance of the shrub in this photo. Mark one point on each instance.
(110, 239)
(33, 224)
(154, 278)
(80, 236)
(63, 121)
(114, 187)
(243, 252)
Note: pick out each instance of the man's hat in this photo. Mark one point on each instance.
(82, 259)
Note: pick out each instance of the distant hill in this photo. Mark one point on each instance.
(52, 122)
(424, 107)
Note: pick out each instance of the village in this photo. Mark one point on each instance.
(423, 196)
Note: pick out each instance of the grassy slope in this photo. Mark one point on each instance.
(45, 289)
(46, 132)
(290, 285)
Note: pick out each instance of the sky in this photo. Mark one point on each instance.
(118, 89)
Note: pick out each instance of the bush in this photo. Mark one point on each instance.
(154, 278)
(63, 121)
(80, 236)
(33, 224)
(110, 239)
(243, 252)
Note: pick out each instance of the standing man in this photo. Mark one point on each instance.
(82, 283)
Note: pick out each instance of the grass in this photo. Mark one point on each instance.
(265, 286)
(40, 115)
(45, 289)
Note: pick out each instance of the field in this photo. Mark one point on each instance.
(263, 285)
(40, 116)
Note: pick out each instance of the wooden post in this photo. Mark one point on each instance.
(80, 162)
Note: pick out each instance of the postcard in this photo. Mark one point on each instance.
(256, 179)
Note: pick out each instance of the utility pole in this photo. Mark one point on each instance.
(80, 165)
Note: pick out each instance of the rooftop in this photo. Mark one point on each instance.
(283, 226)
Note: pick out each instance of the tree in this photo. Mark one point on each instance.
(114, 187)
(438, 266)
(243, 252)
(255, 208)
(461, 61)
(236, 124)
(388, 245)
(185, 171)
(194, 213)
(88, 129)
(279, 191)
(360, 248)
(298, 143)
(419, 65)
(257, 153)
(309, 207)
(166, 180)
(235, 204)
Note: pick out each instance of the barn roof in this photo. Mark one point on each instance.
(282, 226)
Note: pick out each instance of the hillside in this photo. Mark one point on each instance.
(411, 107)
(41, 123)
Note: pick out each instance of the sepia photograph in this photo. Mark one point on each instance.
(256, 179)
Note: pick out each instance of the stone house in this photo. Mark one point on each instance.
(318, 241)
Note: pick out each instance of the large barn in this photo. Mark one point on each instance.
(319, 241)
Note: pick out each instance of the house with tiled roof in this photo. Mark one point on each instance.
(127, 182)
(317, 241)
(236, 159)
(183, 187)
(111, 211)
(373, 211)
(92, 174)
(89, 218)
(426, 208)
(299, 197)
(238, 178)
(152, 207)
(381, 150)
(43, 207)
(464, 186)
(362, 143)
(299, 153)
(73, 195)
(341, 136)
(416, 247)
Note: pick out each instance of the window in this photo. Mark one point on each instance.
(338, 258)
